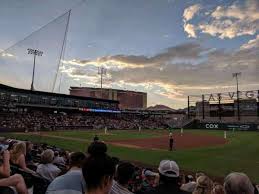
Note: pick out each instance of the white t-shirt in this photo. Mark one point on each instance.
(48, 171)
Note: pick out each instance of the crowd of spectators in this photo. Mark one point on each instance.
(51, 121)
(39, 168)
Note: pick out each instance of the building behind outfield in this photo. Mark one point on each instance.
(127, 99)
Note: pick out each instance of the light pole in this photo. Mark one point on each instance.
(35, 53)
(101, 71)
(235, 75)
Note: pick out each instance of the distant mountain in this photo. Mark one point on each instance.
(160, 107)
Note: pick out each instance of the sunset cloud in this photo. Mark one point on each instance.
(238, 19)
(190, 29)
(189, 12)
(254, 43)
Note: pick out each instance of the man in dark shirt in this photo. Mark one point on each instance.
(170, 181)
(171, 141)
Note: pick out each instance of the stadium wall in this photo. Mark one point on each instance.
(196, 124)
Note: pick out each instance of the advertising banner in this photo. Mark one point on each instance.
(228, 126)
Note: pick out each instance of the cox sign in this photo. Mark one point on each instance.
(212, 126)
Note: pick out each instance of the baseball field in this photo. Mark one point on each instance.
(195, 150)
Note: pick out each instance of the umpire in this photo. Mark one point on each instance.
(171, 141)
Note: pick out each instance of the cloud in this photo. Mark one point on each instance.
(190, 29)
(5, 54)
(109, 61)
(118, 62)
(175, 72)
(238, 19)
(189, 12)
(254, 43)
(228, 28)
(248, 12)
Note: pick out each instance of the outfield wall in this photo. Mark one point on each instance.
(223, 126)
(229, 126)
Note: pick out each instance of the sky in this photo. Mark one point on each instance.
(167, 48)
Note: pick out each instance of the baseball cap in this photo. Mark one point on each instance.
(169, 168)
(204, 182)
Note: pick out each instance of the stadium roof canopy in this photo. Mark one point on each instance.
(9, 88)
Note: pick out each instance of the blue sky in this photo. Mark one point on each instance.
(167, 48)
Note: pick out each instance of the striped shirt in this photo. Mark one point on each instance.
(119, 189)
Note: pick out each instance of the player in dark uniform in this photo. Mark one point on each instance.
(171, 142)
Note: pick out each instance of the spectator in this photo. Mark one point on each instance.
(217, 189)
(149, 181)
(73, 181)
(16, 180)
(116, 161)
(46, 169)
(136, 184)
(257, 189)
(58, 159)
(169, 179)
(189, 184)
(18, 154)
(65, 155)
(98, 173)
(28, 156)
(238, 183)
(198, 174)
(97, 148)
(124, 175)
(96, 138)
(204, 185)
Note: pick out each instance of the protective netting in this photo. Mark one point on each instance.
(16, 63)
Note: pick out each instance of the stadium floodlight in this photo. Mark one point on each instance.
(236, 75)
(35, 53)
(102, 71)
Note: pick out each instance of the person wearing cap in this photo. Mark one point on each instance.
(149, 181)
(189, 185)
(170, 181)
(204, 185)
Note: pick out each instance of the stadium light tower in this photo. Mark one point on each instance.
(236, 75)
(35, 53)
(101, 71)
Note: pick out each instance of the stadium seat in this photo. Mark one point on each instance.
(40, 185)
(28, 177)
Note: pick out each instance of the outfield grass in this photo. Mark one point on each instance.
(114, 135)
(241, 153)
